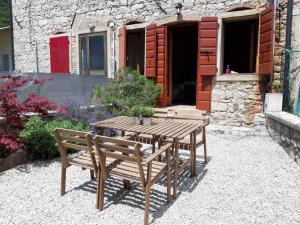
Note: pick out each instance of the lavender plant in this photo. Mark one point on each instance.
(76, 112)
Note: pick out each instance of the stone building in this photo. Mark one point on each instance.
(184, 49)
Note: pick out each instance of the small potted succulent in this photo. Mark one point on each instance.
(147, 114)
(136, 113)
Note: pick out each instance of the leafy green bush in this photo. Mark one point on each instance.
(39, 138)
(128, 89)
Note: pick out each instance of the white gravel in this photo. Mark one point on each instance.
(249, 180)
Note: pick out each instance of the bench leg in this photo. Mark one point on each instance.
(63, 181)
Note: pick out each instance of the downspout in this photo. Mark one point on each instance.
(12, 36)
(288, 45)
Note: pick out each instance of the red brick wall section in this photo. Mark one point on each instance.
(266, 41)
(161, 75)
(59, 54)
(151, 46)
(122, 47)
(207, 49)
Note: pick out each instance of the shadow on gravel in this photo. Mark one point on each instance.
(135, 197)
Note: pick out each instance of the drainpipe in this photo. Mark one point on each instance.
(12, 36)
(288, 45)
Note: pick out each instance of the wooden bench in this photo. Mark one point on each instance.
(130, 165)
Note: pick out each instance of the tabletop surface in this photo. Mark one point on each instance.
(168, 128)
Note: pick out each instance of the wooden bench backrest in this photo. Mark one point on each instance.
(75, 140)
(123, 150)
(183, 115)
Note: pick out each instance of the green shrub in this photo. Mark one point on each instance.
(128, 89)
(39, 138)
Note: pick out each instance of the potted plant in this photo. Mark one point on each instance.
(135, 112)
(273, 100)
(275, 87)
(147, 114)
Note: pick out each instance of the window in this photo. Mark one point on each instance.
(240, 46)
(93, 54)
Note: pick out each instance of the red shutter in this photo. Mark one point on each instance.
(266, 41)
(207, 49)
(122, 47)
(151, 51)
(161, 78)
(59, 54)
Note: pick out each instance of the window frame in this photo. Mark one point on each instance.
(88, 71)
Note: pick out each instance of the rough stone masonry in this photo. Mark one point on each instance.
(35, 21)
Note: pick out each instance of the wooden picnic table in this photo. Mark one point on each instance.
(160, 129)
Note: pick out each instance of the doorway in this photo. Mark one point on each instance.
(135, 50)
(240, 46)
(183, 50)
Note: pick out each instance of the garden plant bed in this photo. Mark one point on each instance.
(13, 160)
(248, 180)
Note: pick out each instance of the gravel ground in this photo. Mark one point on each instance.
(247, 181)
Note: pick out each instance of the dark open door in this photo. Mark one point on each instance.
(266, 41)
(161, 78)
(207, 49)
(151, 46)
(122, 47)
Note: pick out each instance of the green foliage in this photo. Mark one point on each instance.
(4, 13)
(39, 138)
(276, 86)
(147, 112)
(135, 111)
(128, 89)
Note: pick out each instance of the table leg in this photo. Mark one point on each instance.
(176, 161)
(101, 131)
(126, 183)
(204, 143)
(192, 153)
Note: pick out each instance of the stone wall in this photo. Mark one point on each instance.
(285, 129)
(36, 20)
(236, 103)
(295, 64)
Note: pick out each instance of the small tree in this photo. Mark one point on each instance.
(12, 110)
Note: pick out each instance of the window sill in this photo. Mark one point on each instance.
(239, 77)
